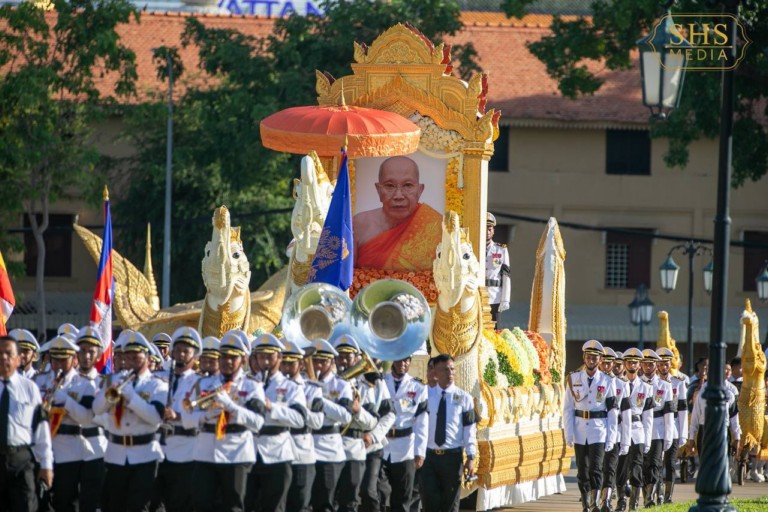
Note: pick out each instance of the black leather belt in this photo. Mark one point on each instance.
(300, 431)
(210, 428)
(129, 441)
(394, 433)
(272, 430)
(444, 451)
(185, 432)
(588, 415)
(636, 417)
(12, 450)
(492, 282)
(658, 414)
(77, 430)
(332, 429)
(354, 433)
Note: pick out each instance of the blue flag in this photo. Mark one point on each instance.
(334, 259)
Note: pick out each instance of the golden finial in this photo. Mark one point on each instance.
(748, 306)
(153, 299)
(343, 101)
(106, 193)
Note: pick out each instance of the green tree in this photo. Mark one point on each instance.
(610, 34)
(48, 100)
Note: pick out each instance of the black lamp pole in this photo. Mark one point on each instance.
(714, 484)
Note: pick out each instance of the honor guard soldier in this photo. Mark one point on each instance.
(24, 434)
(286, 408)
(163, 343)
(362, 422)
(407, 446)
(591, 417)
(177, 470)
(621, 444)
(451, 436)
(209, 359)
(67, 329)
(135, 400)
(636, 426)
(618, 365)
(497, 280)
(338, 408)
(156, 362)
(679, 392)
(226, 408)
(29, 350)
(78, 444)
(664, 430)
(303, 465)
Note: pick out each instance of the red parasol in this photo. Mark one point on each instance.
(366, 131)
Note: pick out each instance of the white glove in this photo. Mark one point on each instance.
(60, 397)
(225, 401)
(608, 447)
(569, 442)
(128, 392)
(646, 449)
(624, 449)
(667, 445)
(503, 306)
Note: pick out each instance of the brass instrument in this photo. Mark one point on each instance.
(58, 381)
(315, 311)
(204, 402)
(364, 365)
(114, 393)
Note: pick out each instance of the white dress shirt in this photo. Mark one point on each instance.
(25, 424)
(289, 408)
(179, 444)
(460, 424)
(410, 403)
(337, 404)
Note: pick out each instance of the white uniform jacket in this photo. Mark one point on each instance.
(134, 420)
(623, 439)
(26, 423)
(244, 415)
(364, 421)
(77, 438)
(337, 409)
(699, 406)
(289, 410)
(303, 442)
(664, 407)
(590, 411)
(460, 420)
(637, 413)
(679, 392)
(179, 441)
(408, 436)
(497, 280)
(381, 408)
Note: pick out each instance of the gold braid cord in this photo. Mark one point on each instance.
(300, 271)
(218, 322)
(454, 332)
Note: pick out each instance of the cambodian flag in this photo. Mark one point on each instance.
(7, 300)
(334, 258)
(101, 309)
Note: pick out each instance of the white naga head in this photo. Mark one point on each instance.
(313, 198)
(226, 270)
(456, 269)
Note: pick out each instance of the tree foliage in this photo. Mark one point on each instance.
(48, 101)
(609, 36)
(217, 153)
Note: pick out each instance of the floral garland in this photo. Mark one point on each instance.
(421, 279)
(530, 350)
(454, 197)
(544, 353)
(509, 365)
(519, 353)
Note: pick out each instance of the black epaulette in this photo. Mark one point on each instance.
(311, 383)
(160, 378)
(253, 378)
(420, 381)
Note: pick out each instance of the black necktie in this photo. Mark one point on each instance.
(397, 385)
(631, 387)
(589, 382)
(175, 385)
(441, 422)
(5, 408)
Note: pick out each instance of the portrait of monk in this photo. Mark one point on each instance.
(403, 233)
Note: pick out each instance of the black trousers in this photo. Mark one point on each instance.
(494, 312)
(324, 487)
(670, 457)
(369, 490)
(77, 486)
(415, 495)
(267, 487)
(173, 485)
(300, 491)
(128, 488)
(589, 464)
(441, 482)
(652, 463)
(348, 490)
(225, 482)
(631, 466)
(17, 482)
(610, 464)
(400, 476)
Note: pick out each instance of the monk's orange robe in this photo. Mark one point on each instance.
(408, 246)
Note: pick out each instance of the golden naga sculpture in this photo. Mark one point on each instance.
(752, 395)
(313, 198)
(666, 340)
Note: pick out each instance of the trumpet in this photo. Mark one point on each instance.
(58, 381)
(114, 393)
(203, 402)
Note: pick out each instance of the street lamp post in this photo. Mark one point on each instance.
(762, 283)
(641, 311)
(668, 272)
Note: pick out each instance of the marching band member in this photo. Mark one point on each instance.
(24, 433)
(178, 468)
(621, 443)
(156, 363)
(29, 350)
(303, 466)
(407, 446)
(209, 359)
(591, 415)
(679, 392)
(136, 402)
(664, 430)
(285, 409)
(224, 448)
(117, 351)
(365, 420)
(163, 344)
(339, 406)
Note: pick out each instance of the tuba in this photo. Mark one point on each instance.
(390, 319)
(316, 310)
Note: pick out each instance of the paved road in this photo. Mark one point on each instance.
(569, 500)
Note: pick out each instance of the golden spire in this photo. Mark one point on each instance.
(748, 306)
(106, 193)
(154, 300)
